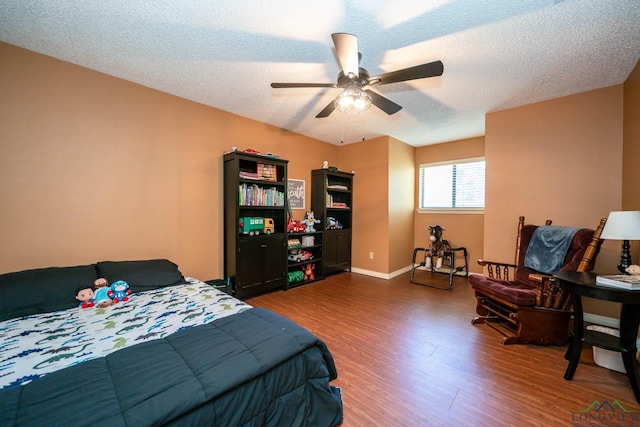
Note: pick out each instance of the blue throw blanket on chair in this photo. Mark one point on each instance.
(548, 248)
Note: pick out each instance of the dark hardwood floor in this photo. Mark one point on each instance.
(407, 355)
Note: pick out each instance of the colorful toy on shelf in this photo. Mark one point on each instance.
(256, 225)
(299, 255)
(295, 226)
(333, 224)
(293, 243)
(309, 220)
(269, 227)
(295, 276)
(308, 271)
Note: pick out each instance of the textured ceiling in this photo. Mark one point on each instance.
(225, 53)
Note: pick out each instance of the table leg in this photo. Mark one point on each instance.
(575, 347)
(629, 320)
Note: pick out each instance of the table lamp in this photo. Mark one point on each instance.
(625, 226)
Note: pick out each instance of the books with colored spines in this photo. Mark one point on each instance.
(624, 281)
(253, 195)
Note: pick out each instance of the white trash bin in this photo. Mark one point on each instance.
(607, 358)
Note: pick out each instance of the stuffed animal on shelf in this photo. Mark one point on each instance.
(119, 291)
(309, 220)
(101, 297)
(437, 248)
(308, 272)
(86, 297)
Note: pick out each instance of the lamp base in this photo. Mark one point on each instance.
(625, 258)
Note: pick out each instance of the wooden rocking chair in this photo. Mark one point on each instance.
(530, 308)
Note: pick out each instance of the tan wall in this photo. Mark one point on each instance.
(93, 168)
(461, 229)
(559, 159)
(631, 153)
(402, 174)
(370, 229)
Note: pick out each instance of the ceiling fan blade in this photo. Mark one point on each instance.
(347, 52)
(431, 69)
(383, 103)
(290, 85)
(327, 110)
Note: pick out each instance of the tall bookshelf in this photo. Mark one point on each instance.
(255, 255)
(332, 203)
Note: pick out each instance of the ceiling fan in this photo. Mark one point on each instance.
(355, 81)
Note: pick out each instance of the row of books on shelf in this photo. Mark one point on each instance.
(254, 195)
(624, 281)
(331, 203)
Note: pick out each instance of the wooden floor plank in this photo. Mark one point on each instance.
(407, 355)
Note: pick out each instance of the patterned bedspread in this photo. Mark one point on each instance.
(33, 346)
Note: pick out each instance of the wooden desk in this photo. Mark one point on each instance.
(584, 285)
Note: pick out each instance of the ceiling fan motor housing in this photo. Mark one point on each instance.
(361, 80)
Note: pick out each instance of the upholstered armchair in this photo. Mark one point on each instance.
(524, 303)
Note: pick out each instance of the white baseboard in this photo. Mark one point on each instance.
(379, 275)
(393, 274)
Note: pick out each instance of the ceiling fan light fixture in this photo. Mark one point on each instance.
(353, 101)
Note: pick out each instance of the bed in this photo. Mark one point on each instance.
(177, 352)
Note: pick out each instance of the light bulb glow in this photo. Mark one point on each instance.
(353, 101)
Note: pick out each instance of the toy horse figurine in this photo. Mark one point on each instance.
(437, 248)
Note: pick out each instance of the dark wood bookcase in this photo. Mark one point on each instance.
(255, 256)
(332, 204)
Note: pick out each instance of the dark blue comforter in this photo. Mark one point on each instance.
(255, 368)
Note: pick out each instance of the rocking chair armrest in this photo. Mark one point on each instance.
(548, 294)
(541, 278)
(483, 263)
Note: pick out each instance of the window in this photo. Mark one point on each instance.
(455, 185)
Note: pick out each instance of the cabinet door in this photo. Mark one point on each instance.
(330, 248)
(337, 250)
(343, 247)
(273, 261)
(261, 264)
(249, 266)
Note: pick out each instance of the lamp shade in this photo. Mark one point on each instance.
(622, 225)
